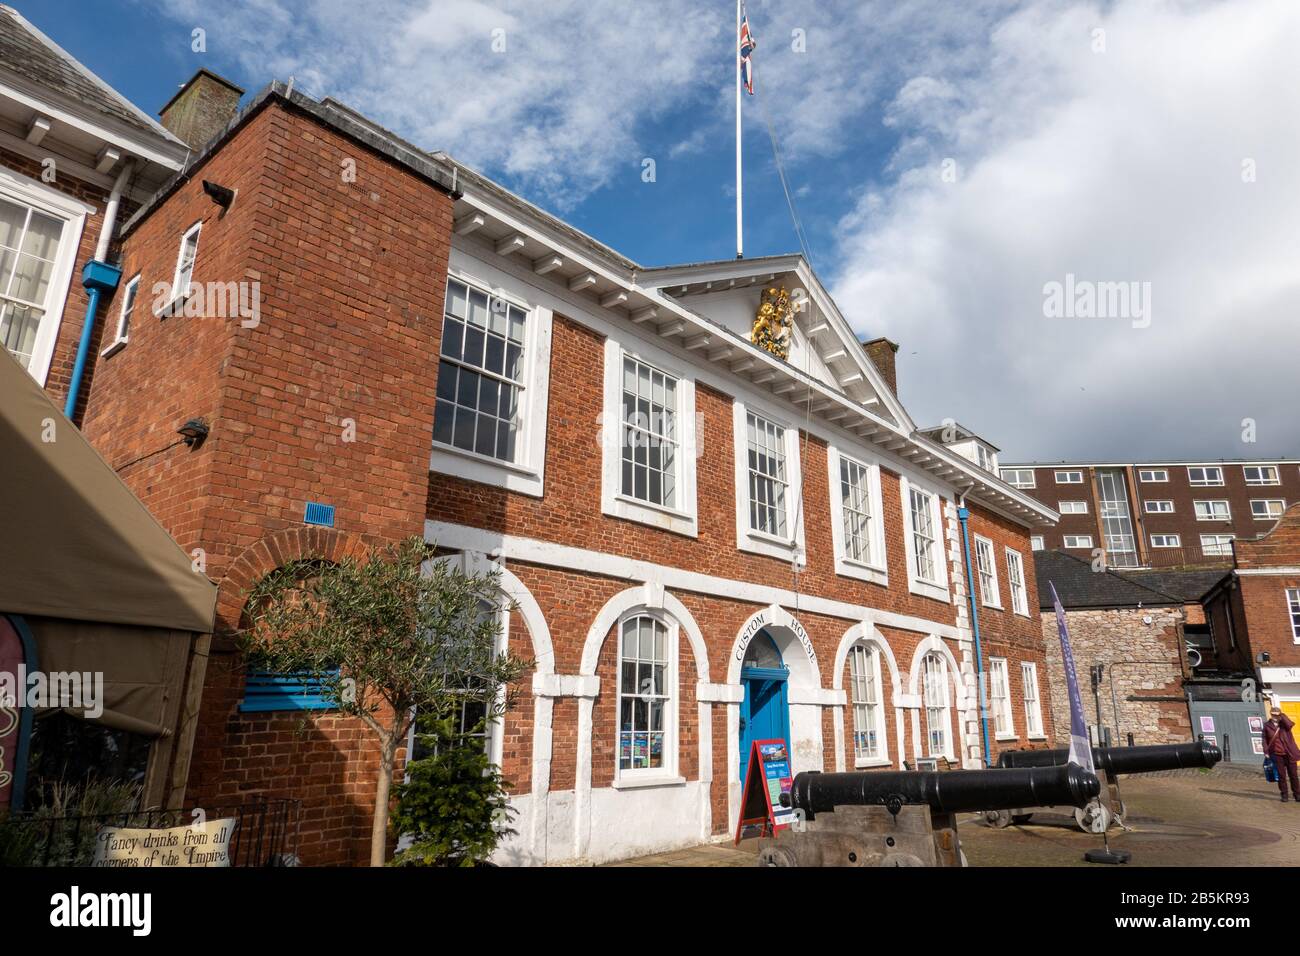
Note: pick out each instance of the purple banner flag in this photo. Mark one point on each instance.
(1080, 748)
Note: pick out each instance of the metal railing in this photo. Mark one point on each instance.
(1190, 558)
(265, 834)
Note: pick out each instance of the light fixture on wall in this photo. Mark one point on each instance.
(221, 195)
(193, 432)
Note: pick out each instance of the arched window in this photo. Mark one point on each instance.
(868, 712)
(934, 670)
(645, 696)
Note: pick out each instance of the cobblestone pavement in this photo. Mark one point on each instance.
(1182, 818)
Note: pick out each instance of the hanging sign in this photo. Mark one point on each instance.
(766, 779)
(196, 845)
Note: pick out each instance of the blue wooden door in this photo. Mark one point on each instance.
(764, 714)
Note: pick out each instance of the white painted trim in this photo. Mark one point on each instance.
(539, 634)
(73, 213)
(653, 599)
(938, 587)
(119, 339)
(534, 551)
(793, 547)
(526, 474)
(1280, 570)
(684, 518)
(866, 633)
(960, 700)
(1024, 584)
(996, 603)
(877, 572)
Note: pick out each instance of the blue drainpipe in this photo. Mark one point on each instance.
(99, 278)
(963, 515)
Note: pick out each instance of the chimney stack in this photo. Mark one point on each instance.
(881, 351)
(202, 108)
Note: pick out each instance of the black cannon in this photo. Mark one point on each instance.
(1109, 762)
(907, 818)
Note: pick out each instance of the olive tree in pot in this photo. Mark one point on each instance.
(387, 636)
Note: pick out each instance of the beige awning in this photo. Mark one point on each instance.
(75, 543)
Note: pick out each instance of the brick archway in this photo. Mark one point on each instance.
(274, 551)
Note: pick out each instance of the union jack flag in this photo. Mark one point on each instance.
(747, 46)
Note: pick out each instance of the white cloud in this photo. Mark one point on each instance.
(1114, 166)
(556, 110)
(1121, 165)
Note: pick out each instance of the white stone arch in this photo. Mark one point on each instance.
(528, 845)
(651, 597)
(866, 632)
(805, 696)
(792, 640)
(960, 703)
(538, 632)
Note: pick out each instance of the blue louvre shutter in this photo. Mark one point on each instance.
(266, 690)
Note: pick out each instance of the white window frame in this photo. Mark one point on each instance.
(1085, 538)
(1281, 507)
(1148, 475)
(1068, 480)
(526, 474)
(1036, 542)
(1033, 714)
(21, 189)
(759, 542)
(668, 773)
(1146, 506)
(1205, 481)
(1219, 545)
(1210, 512)
(1017, 483)
(871, 653)
(1261, 481)
(936, 588)
(125, 312)
(1293, 609)
(1075, 507)
(1020, 592)
(876, 570)
(1166, 541)
(1000, 704)
(177, 296)
(937, 703)
(986, 568)
(684, 518)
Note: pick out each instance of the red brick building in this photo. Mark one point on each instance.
(1159, 514)
(1254, 613)
(704, 540)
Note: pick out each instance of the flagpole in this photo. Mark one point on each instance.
(740, 223)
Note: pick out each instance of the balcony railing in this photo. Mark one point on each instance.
(1185, 558)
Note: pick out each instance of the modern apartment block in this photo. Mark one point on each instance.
(1158, 513)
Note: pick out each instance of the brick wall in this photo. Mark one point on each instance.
(1144, 663)
(351, 278)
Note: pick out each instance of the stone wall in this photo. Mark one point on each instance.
(1143, 679)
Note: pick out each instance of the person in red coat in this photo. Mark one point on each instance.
(1280, 745)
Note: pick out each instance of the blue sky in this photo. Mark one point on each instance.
(951, 161)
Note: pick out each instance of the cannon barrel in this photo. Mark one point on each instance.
(954, 791)
(1115, 760)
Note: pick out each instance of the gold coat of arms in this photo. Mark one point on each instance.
(773, 322)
